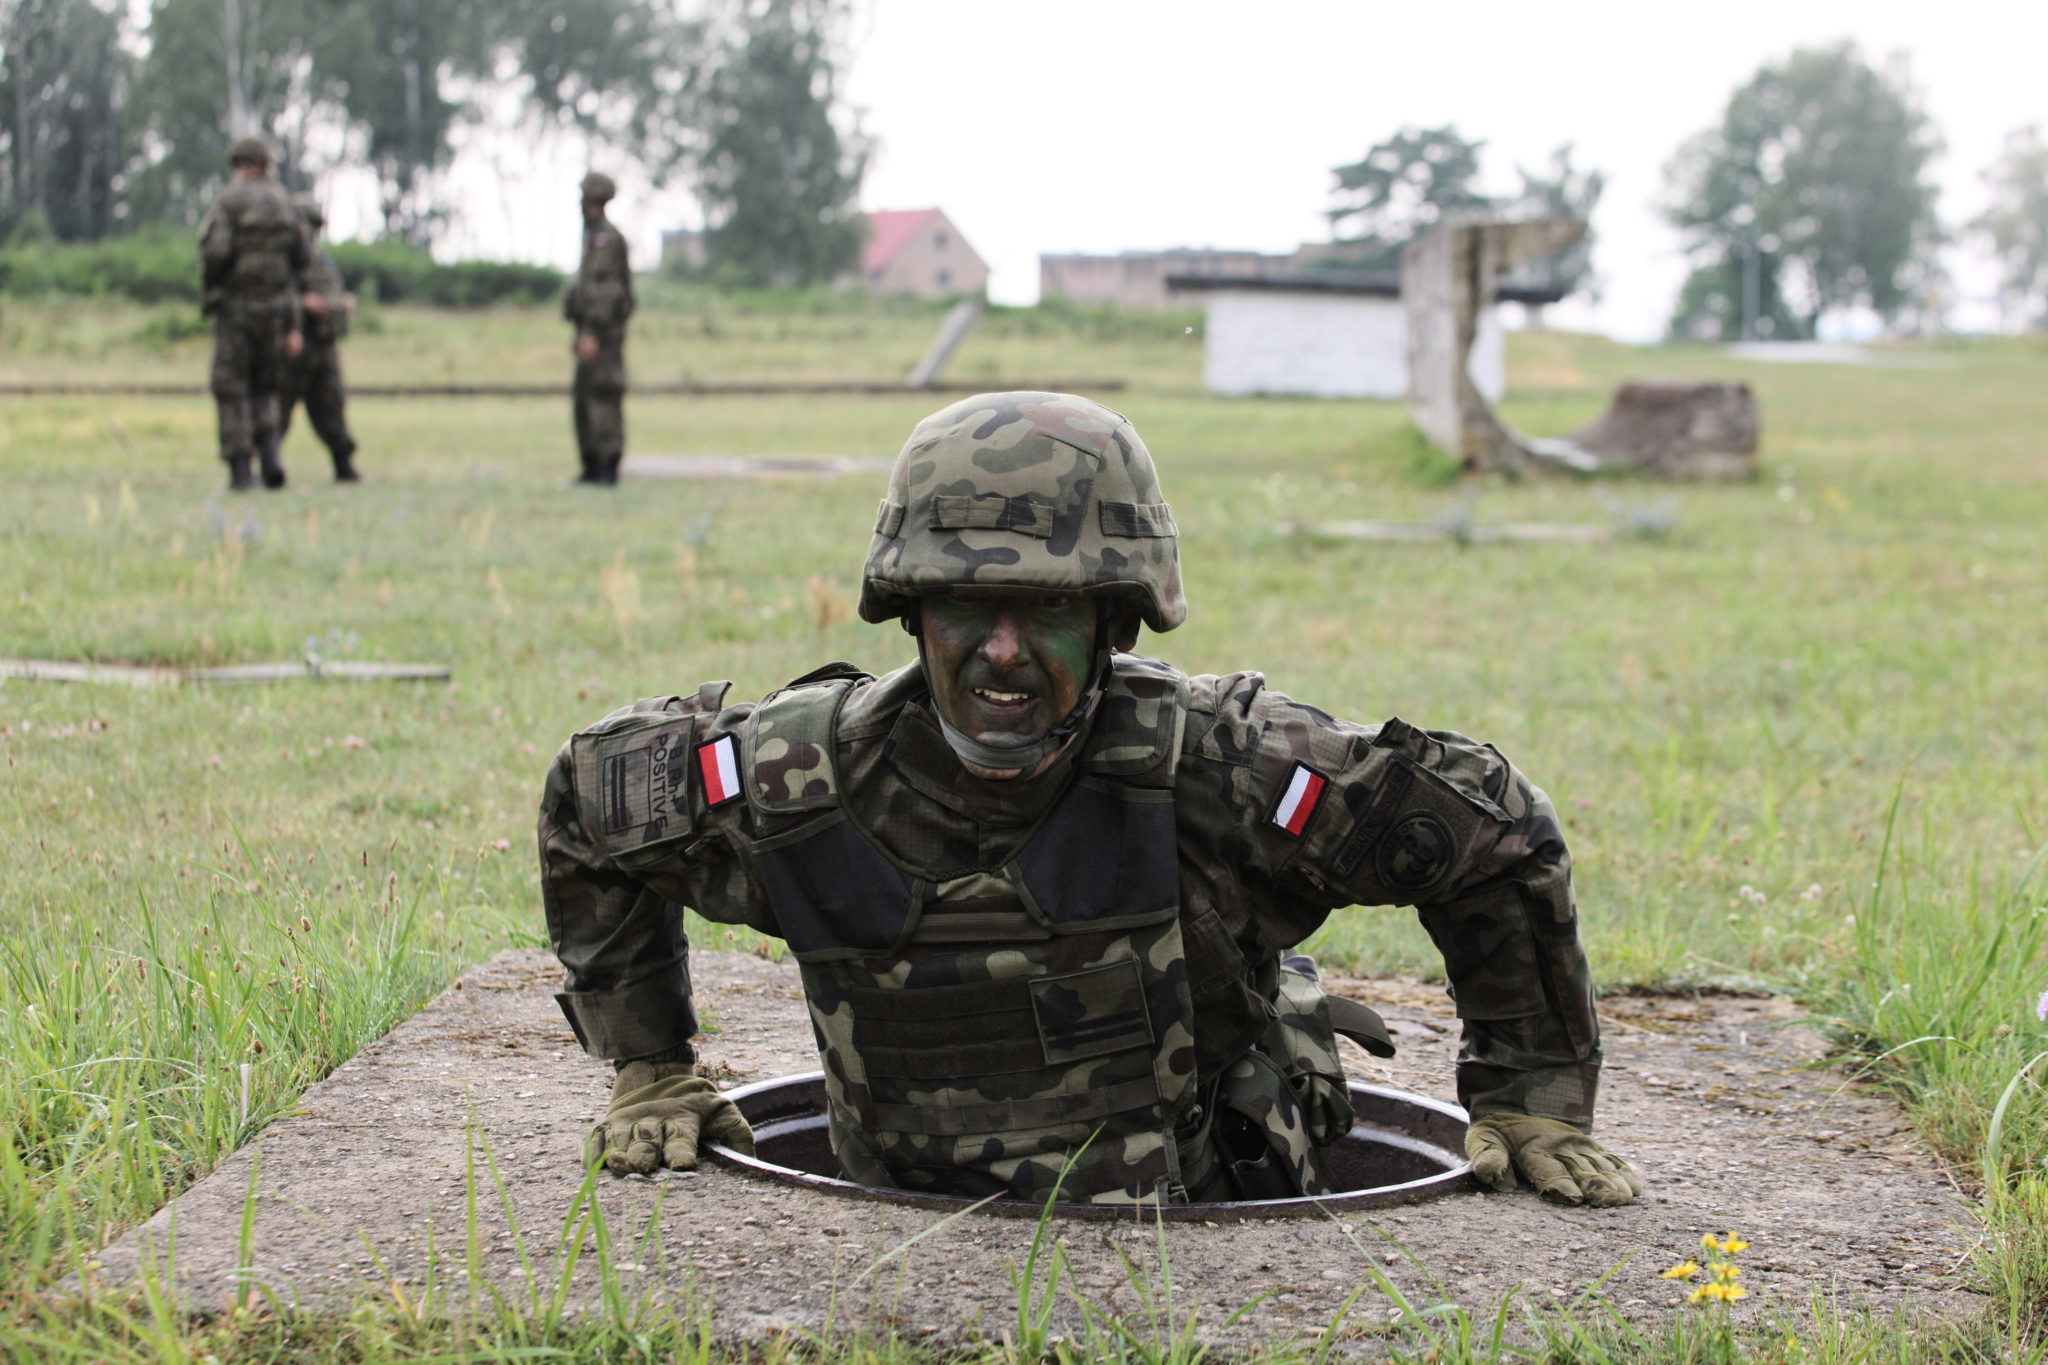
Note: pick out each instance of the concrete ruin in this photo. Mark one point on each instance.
(1449, 278)
(439, 1168)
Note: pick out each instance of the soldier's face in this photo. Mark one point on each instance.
(1006, 668)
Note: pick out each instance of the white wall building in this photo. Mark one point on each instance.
(1333, 335)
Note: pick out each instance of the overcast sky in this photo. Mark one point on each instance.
(1105, 125)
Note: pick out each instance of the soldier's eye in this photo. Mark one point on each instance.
(1055, 604)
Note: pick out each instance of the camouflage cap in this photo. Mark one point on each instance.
(309, 209)
(248, 151)
(599, 187)
(1043, 491)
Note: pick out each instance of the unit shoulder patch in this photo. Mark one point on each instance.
(1415, 852)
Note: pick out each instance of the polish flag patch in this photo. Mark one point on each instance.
(1299, 800)
(718, 765)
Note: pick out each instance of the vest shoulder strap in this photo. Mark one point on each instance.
(786, 746)
(1137, 735)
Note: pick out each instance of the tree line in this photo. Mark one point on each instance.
(1811, 195)
(110, 124)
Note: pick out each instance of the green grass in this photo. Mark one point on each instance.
(1798, 743)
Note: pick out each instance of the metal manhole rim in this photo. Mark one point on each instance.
(1453, 1176)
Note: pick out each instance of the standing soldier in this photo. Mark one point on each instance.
(599, 302)
(251, 252)
(316, 375)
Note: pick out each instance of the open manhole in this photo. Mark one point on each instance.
(1401, 1149)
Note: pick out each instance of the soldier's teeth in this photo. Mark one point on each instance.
(993, 695)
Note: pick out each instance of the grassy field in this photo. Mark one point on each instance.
(1799, 741)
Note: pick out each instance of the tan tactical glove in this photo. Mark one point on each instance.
(1565, 1165)
(658, 1110)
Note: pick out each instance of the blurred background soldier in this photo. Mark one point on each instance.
(315, 376)
(599, 301)
(251, 252)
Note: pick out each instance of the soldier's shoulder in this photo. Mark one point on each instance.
(1237, 718)
(707, 700)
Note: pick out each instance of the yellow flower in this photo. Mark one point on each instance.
(1707, 1241)
(1703, 1293)
(1733, 1244)
(1684, 1270)
(1732, 1292)
(1724, 1271)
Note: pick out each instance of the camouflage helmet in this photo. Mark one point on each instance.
(248, 151)
(310, 212)
(1043, 491)
(598, 187)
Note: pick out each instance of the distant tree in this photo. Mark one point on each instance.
(2016, 225)
(779, 180)
(63, 77)
(1561, 190)
(1399, 188)
(216, 70)
(1811, 195)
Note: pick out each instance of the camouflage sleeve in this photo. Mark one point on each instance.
(627, 840)
(625, 269)
(216, 248)
(1331, 814)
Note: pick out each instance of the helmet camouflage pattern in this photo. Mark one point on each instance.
(1048, 492)
(598, 187)
(248, 151)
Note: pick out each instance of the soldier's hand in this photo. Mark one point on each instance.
(659, 1111)
(316, 304)
(1565, 1165)
(293, 344)
(585, 346)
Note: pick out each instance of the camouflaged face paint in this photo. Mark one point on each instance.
(1005, 669)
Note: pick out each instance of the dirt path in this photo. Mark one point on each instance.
(1713, 1099)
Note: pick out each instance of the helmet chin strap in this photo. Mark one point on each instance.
(1023, 758)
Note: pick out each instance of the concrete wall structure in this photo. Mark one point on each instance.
(1324, 340)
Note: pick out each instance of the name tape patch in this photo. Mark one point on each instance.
(1299, 800)
(718, 765)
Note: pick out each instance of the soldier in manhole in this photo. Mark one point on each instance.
(251, 253)
(1044, 891)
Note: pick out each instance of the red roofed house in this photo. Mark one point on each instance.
(919, 252)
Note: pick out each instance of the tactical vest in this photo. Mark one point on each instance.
(1014, 1030)
(266, 229)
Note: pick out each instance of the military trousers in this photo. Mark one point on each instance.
(315, 379)
(248, 369)
(600, 412)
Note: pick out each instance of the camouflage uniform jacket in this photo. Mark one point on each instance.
(323, 277)
(600, 298)
(1283, 815)
(252, 250)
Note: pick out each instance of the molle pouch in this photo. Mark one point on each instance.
(1261, 1133)
(1302, 1040)
(633, 785)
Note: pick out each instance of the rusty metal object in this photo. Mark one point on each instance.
(1402, 1149)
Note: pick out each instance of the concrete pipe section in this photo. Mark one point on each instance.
(1401, 1149)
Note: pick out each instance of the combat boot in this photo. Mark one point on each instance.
(608, 471)
(345, 467)
(273, 468)
(239, 480)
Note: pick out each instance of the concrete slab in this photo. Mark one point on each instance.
(1716, 1099)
